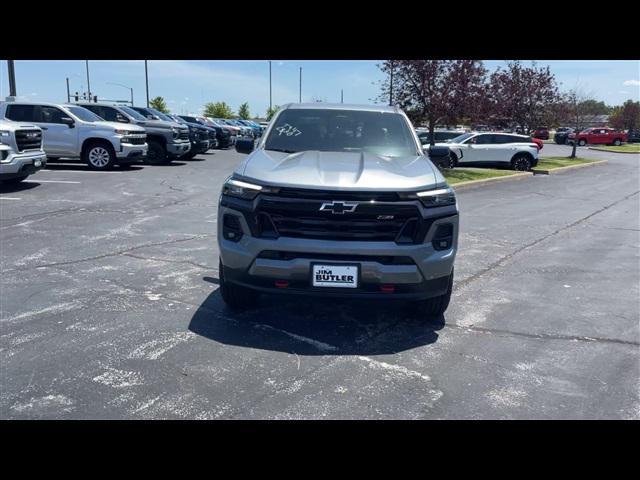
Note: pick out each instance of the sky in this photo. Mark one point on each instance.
(187, 85)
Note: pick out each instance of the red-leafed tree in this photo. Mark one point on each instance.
(434, 91)
(525, 95)
(626, 117)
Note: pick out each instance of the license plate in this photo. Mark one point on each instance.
(336, 276)
(37, 163)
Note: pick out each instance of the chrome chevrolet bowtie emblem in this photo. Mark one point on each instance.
(339, 207)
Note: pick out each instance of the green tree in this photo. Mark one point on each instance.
(218, 110)
(272, 111)
(243, 111)
(159, 104)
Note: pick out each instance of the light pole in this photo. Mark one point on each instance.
(270, 96)
(121, 85)
(341, 96)
(300, 94)
(146, 77)
(88, 84)
(12, 79)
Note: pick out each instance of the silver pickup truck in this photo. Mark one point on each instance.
(21, 151)
(71, 131)
(342, 201)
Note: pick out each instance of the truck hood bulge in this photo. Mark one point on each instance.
(340, 170)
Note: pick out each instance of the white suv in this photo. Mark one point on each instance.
(487, 148)
(72, 131)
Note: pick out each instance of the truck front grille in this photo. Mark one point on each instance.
(184, 135)
(28, 140)
(301, 217)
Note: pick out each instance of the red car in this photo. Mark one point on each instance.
(539, 143)
(598, 135)
(542, 133)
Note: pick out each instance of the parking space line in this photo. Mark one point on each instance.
(10, 198)
(50, 181)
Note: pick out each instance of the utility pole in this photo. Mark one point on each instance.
(88, 84)
(341, 96)
(12, 79)
(270, 96)
(68, 94)
(300, 94)
(146, 77)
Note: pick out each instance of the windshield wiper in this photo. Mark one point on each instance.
(283, 150)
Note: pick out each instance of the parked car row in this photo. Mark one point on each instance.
(104, 134)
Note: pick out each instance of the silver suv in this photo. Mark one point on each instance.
(338, 200)
(71, 131)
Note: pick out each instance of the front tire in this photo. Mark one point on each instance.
(436, 306)
(582, 142)
(156, 154)
(235, 297)
(521, 162)
(99, 156)
(617, 142)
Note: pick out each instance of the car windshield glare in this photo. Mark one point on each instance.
(460, 138)
(332, 130)
(132, 113)
(85, 115)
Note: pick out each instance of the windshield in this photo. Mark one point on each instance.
(160, 115)
(381, 133)
(85, 115)
(460, 138)
(132, 113)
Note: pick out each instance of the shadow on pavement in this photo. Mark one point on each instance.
(17, 187)
(316, 326)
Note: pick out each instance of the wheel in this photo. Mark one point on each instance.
(99, 156)
(156, 154)
(521, 162)
(14, 180)
(582, 142)
(436, 306)
(235, 297)
(617, 142)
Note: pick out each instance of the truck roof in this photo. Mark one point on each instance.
(341, 106)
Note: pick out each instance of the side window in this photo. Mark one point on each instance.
(51, 114)
(94, 108)
(109, 114)
(485, 139)
(22, 113)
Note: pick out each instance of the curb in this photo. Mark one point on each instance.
(473, 183)
(553, 171)
(612, 151)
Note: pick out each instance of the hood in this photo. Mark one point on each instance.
(123, 126)
(164, 124)
(6, 124)
(339, 170)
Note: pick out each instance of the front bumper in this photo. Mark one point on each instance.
(178, 149)
(200, 147)
(130, 153)
(21, 164)
(423, 273)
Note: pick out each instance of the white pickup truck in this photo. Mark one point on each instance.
(21, 151)
(71, 131)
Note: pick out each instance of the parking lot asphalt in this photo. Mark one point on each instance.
(110, 307)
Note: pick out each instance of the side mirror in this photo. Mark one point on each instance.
(121, 119)
(244, 145)
(67, 121)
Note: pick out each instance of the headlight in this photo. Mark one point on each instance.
(4, 136)
(237, 188)
(176, 132)
(437, 198)
(122, 132)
